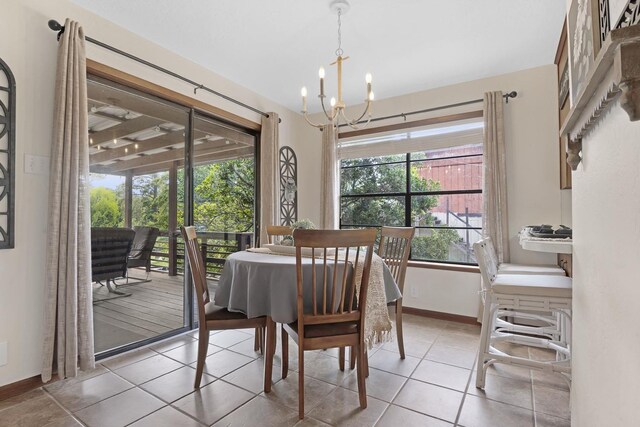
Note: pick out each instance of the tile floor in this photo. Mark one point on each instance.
(433, 386)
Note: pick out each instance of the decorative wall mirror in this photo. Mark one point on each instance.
(7, 155)
(288, 186)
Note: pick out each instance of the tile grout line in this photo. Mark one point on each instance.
(63, 407)
(466, 392)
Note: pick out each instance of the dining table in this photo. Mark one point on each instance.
(264, 283)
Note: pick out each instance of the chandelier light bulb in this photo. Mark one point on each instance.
(367, 78)
(115, 141)
(371, 96)
(333, 102)
(321, 72)
(303, 92)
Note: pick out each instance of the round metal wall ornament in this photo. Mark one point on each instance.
(288, 186)
(7, 155)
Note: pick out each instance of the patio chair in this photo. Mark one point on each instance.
(210, 316)
(333, 316)
(110, 248)
(140, 255)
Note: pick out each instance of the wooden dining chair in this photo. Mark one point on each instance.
(278, 231)
(333, 313)
(210, 316)
(394, 248)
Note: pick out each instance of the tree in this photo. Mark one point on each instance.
(384, 209)
(104, 208)
(224, 197)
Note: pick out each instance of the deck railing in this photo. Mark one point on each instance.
(215, 247)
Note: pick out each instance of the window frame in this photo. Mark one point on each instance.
(408, 195)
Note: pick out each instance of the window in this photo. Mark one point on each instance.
(159, 164)
(435, 187)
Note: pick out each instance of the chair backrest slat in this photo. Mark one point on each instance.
(395, 245)
(353, 283)
(339, 290)
(488, 269)
(198, 269)
(278, 231)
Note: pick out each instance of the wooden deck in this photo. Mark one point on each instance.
(153, 308)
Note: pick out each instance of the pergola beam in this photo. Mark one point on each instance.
(125, 128)
(163, 167)
(169, 156)
(161, 141)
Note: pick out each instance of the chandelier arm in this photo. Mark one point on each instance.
(329, 117)
(353, 123)
(306, 117)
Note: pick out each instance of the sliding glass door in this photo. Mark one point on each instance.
(155, 166)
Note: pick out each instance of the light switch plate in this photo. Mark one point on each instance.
(36, 165)
(3, 353)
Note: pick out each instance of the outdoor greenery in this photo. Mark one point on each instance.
(223, 199)
(105, 211)
(371, 176)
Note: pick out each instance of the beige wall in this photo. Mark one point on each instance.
(30, 50)
(534, 197)
(606, 291)
(29, 47)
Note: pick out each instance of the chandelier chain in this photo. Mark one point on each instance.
(339, 50)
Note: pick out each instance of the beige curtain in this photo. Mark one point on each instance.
(494, 221)
(68, 311)
(269, 192)
(330, 180)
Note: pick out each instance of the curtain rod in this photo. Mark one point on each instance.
(506, 96)
(56, 26)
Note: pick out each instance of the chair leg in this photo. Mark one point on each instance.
(341, 357)
(362, 388)
(399, 327)
(300, 380)
(366, 363)
(485, 337)
(263, 335)
(203, 343)
(256, 340)
(352, 358)
(285, 352)
(268, 354)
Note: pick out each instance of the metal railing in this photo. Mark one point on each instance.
(168, 252)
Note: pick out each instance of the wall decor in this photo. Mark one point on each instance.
(605, 19)
(630, 14)
(288, 186)
(615, 76)
(615, 10)
(584, 41)
(563, 85)
(620, 11)
(7, 155)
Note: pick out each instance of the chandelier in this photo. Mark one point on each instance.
(337, 114)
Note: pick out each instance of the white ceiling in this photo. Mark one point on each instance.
(275, 47)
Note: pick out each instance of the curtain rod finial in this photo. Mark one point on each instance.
(55, 25)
